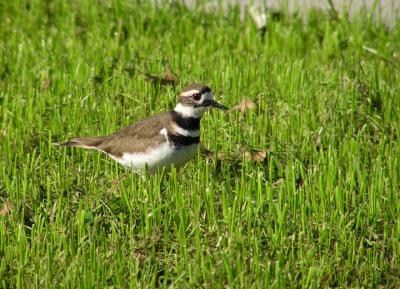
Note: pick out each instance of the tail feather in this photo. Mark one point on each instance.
(85, 142)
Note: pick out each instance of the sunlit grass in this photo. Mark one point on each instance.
(321, 210)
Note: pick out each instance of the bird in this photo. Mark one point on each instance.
(160, 141)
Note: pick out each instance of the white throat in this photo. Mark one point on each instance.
(189, 111)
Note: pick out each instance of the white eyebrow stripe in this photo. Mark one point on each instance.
(185, 132)
(190, 92)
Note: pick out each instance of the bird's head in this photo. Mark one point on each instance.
(195, 99)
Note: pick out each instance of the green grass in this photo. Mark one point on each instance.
(322, 209)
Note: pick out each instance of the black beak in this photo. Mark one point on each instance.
(214, 104)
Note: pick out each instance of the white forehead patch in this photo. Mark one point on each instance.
(205, 95)
(190, 92)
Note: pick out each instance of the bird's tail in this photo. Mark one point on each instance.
(85, 142)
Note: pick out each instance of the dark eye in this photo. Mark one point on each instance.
(196, 96)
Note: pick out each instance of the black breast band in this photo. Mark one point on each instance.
(188, 123)
(182, 140)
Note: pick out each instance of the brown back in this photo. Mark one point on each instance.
(137, 137)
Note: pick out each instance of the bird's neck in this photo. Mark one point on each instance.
(184, 121)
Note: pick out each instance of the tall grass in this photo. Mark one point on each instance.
(321, 210)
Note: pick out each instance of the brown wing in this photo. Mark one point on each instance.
(137, 137)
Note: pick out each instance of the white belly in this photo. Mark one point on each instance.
(156, 158)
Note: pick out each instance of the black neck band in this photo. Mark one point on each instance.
(188, 123)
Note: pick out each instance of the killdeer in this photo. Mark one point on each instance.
(160, 141)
